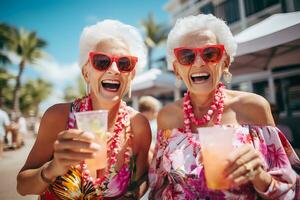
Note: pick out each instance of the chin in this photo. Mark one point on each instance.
(111, 98)
(107, 97)
(201, 88)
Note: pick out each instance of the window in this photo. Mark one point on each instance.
(254, 6)
(228, 11)
(208, 9)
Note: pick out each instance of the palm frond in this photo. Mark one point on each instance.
(4, 59)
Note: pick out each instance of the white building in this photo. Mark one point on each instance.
(268, 56)
(239, 14)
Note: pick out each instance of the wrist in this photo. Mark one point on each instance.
(262, 180)
(46, 175)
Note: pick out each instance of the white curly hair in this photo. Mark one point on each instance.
(107, 29)
(200, 22)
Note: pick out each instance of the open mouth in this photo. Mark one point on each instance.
(200, 77)
(111, 85)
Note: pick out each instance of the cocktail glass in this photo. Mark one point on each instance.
(216, 144)
(95, 122)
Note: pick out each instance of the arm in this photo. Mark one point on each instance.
(53, 122)
(53, 152)
(256, 110)
(141, 144)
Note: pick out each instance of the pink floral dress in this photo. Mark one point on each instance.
(175, 173)
(71, 186)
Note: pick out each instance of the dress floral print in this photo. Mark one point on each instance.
(175, 173)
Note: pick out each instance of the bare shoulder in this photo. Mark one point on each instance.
(251, 108)
(53, 121)
(57, 112)
(170, 116)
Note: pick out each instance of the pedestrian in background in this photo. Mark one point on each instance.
(4, 126)
(149, 107)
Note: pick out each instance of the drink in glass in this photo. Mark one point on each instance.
(95, 122)
(216, 145)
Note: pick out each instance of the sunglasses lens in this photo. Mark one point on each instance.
(101, 62)
(212, 54)
(186, 56)
(124, 64)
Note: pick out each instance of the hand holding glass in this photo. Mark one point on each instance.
(216, 145)
(95, 122)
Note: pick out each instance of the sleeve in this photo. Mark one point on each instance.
(280, 159)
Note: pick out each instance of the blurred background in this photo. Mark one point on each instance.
(39, 53)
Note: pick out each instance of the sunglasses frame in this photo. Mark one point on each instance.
(200, 51)
(133, 60)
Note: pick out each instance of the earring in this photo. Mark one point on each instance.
(87, 89)
(129, 91)
(227, 76)
(178, 82)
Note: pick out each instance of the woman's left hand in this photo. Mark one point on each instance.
(244, 165)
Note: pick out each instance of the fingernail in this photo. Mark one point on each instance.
(95, 146)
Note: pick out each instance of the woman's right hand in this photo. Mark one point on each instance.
(70, 148)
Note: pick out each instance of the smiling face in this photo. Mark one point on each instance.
(108, 87)
(200, 77)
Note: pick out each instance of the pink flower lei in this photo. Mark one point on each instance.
(113, 143)
(217, 105)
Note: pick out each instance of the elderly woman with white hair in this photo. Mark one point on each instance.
(199, 50)
(110, 54)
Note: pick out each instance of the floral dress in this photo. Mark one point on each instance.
(72, 186)
(176, 171)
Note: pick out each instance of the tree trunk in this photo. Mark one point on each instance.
(37, 109)
(16, 95)
(1, 92)
(149, 58)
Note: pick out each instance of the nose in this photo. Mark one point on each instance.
(113, 69)
(198, 60)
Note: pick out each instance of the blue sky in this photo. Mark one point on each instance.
(60, 23)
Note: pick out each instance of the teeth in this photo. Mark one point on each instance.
(111, 81)
(200, 74)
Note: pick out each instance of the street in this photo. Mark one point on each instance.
(10, 164)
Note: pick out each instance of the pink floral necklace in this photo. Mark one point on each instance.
(217, 105)
(113, 143)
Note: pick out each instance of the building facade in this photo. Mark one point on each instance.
(239, 14)
(276, 79)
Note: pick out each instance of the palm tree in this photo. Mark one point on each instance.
(155, 34)
(5, 88)
(72, 92)
(4, 39)
(33, 93)
(28, 47)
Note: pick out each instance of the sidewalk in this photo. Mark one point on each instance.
(10, 164)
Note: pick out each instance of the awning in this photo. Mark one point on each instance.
(273, 42)
(153, 82)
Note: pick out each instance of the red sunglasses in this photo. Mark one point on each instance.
(102, 61)
(208, 53)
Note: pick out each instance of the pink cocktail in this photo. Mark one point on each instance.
(95, 122)
(216, 145)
